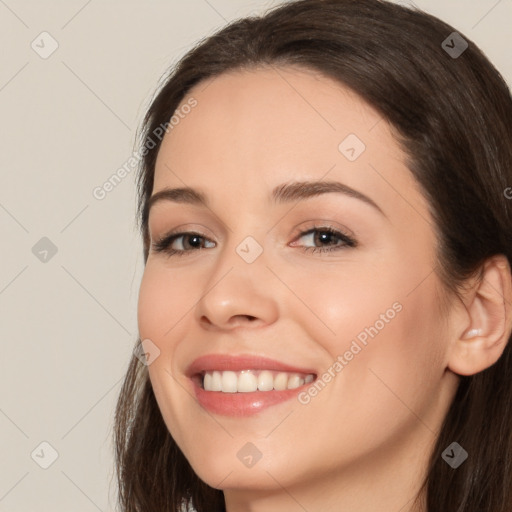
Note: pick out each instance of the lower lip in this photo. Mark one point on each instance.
(242, 404)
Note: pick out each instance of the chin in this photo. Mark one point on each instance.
(239, 466)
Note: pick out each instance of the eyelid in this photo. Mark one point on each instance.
(181, 228)
(319, 224)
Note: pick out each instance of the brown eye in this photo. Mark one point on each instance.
(327, 236)
(188, 241)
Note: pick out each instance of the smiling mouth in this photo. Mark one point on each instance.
(251, 380)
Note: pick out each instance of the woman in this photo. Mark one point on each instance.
(325, 309)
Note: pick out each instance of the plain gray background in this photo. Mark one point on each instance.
(68, 320)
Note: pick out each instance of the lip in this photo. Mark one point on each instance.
(241, 404)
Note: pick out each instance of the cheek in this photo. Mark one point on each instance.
(163, 301)
(162, 305)
(384, 326)
(152, 303)
(398, 372)
(337, 303)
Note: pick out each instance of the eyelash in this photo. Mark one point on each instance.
(162, 245)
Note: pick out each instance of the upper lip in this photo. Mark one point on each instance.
(224, 362)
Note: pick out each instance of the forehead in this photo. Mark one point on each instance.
(252, 130)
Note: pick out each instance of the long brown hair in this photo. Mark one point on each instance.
(453, 119)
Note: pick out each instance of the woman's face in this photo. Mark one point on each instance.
(260, 295)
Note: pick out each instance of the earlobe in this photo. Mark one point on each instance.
(488, 321)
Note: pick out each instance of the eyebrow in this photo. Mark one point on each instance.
(287, 192)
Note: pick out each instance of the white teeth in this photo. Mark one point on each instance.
(280, 381)
(248, 381)
(216, 384)
(207, 382)
(229, 382)
(265, 381)
(294, 382)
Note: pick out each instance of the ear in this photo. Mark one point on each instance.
(483, 329)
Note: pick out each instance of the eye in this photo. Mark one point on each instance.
(186, 242)
(328, 236)
(182, 240)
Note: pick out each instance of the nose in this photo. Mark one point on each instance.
(238, 294)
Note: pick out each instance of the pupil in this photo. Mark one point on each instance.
(325, 237)
(196, 238)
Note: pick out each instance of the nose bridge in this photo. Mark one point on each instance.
(246, 237)
(239, 284)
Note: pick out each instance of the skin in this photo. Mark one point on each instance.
(362, 444)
